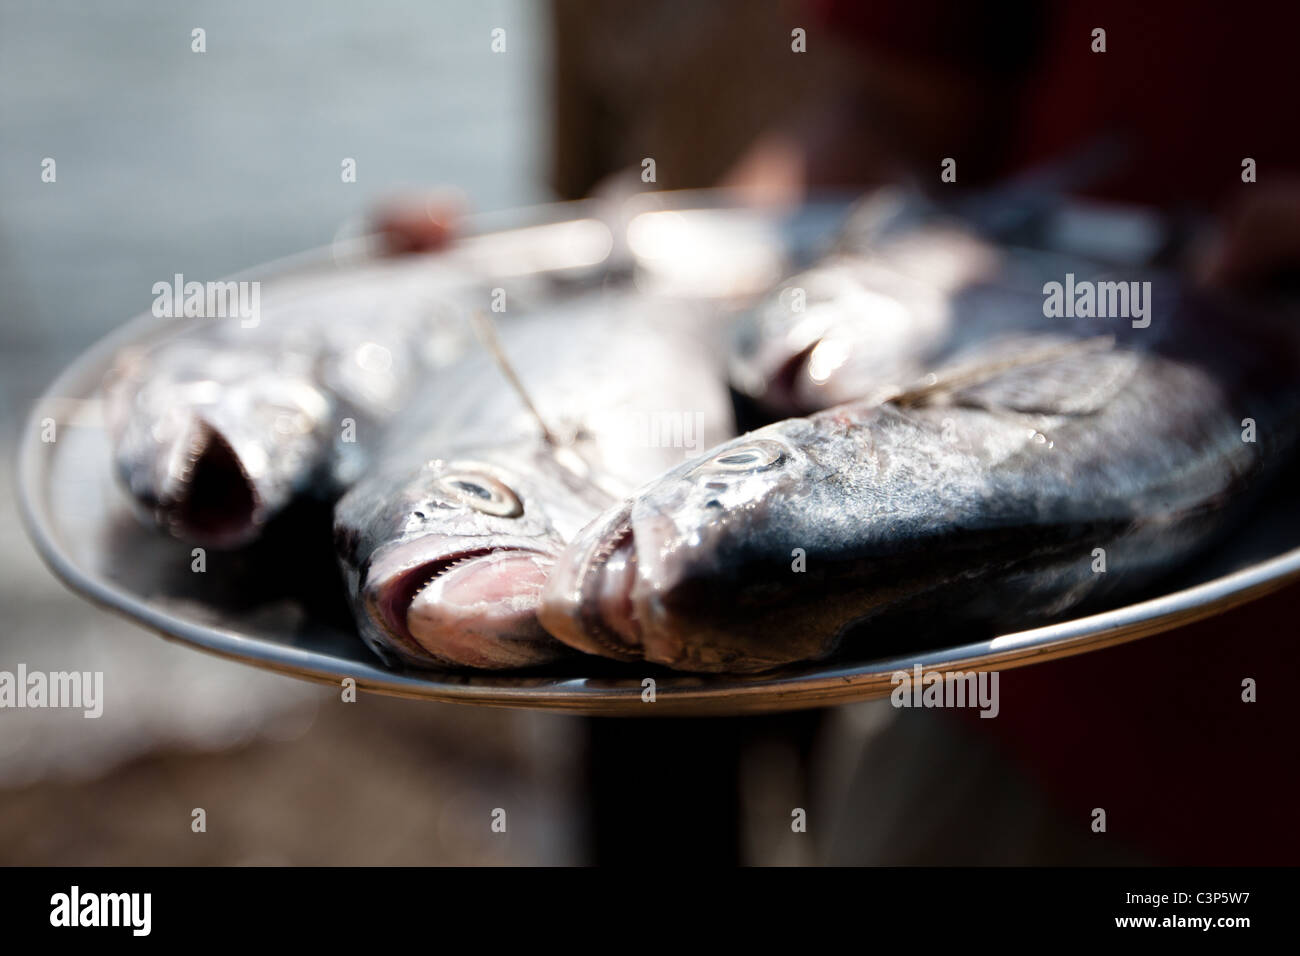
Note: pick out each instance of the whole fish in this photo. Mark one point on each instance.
(982, 495)
(446, 545)
(218, 426)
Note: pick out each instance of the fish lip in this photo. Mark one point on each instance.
(570, 601)
(388, 599)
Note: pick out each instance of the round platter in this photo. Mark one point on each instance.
(241, 608)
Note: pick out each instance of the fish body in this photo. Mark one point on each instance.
(984, 501)
(445, 545)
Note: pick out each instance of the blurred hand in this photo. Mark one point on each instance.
(418, 223)
(773, 172)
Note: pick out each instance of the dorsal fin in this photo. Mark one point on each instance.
(991, 381)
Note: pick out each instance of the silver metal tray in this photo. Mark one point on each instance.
(244, 608)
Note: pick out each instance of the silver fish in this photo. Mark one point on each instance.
(972, 498)
(446, 545)
(905, 288)
(217, 427)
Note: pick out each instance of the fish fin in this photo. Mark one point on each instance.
(1065, 386)
(1074, 377)
(487, 334)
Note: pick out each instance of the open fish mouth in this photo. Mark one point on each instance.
(473, 606)
(589, 603)
(212, 498)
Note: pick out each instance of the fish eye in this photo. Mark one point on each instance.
(753, 456)
(482, 493)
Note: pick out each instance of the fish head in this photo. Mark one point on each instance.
(209, 452)
(833, 334)
(447, 561)
(697, 570)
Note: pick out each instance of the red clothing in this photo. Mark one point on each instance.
(1193, 87)
(1198, 86)
(1156, 733)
